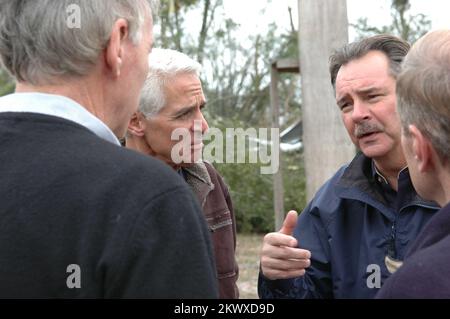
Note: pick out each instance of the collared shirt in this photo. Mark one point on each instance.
(394, 199)
(58, 106)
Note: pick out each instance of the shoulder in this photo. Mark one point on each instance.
(215, 176)
(211, 169)
(327, 204)
(139, 170)
(120, 171)
(326, 197)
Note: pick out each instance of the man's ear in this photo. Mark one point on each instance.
(115, 48)
(422, 149)
(136, 127)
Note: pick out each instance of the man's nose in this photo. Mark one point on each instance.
(360, 112)
(200, 124)
(205, 126)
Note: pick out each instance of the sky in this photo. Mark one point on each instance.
(252, 16)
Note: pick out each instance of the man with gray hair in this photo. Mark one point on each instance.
(423, 97)
(81, 216)
(356, 230)
(170, 107)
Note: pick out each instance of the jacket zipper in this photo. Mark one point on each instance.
(392, 250)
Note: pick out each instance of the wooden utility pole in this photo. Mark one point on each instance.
(323, 27)
(279, 66)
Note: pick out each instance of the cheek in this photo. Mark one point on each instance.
(393, 127)
(389, 113)
(161, 137)
(143, 74)
(407, 149)
(348, 123)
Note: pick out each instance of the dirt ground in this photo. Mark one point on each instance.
(248, 248)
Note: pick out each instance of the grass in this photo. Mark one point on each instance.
(247, 255)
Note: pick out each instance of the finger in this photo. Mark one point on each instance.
(285, 252)
(285, 265)
(278, 239)
(289, 223)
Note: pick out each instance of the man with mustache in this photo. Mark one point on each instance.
(171, 107)
(356, 230)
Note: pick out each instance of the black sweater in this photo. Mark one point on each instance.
(426, 270)
(129, 223)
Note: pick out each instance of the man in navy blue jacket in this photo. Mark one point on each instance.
(424, 107)
(82, 217)
(356, 230)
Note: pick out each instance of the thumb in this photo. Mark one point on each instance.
(289, 223)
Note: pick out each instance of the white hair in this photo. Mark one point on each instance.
(37, 44)
(164, 65)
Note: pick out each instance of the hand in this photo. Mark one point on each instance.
(280, 257)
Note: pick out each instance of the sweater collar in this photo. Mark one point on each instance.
(58, 106)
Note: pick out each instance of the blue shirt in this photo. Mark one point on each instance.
(59, 106)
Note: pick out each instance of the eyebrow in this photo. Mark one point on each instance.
(188, 109)
(366, 90)
(369, 89)
(342, 100)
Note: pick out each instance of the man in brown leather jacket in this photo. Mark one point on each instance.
(171, 106)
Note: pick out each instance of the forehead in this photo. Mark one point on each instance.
(183, 90)
(370, 70)
(184, 84)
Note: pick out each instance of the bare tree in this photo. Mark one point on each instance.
(404, 24)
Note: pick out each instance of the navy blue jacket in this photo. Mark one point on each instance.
(426, 271)
(350, 228)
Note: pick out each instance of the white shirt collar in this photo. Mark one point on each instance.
(59, 106)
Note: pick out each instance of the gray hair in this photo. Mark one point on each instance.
(423, 90)
(37, 43)
(164, 64)
(394, 48)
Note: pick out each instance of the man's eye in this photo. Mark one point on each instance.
(184, 116)
(344, 106)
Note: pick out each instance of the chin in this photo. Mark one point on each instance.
(374, 151)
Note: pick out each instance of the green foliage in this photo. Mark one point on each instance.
(6, 83)
(252, 192)
(405, 25)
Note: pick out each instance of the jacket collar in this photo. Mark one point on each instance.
(359, 182)
(198, 178)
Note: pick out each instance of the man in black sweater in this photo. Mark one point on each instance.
(80, 216)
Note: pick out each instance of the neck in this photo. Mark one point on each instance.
(140, 145)
(441, 189)
(390, 166)
(445, 199)
(86, 91)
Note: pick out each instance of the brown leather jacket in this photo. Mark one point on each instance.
(217, 207)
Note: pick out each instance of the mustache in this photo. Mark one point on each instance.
(365, 128)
